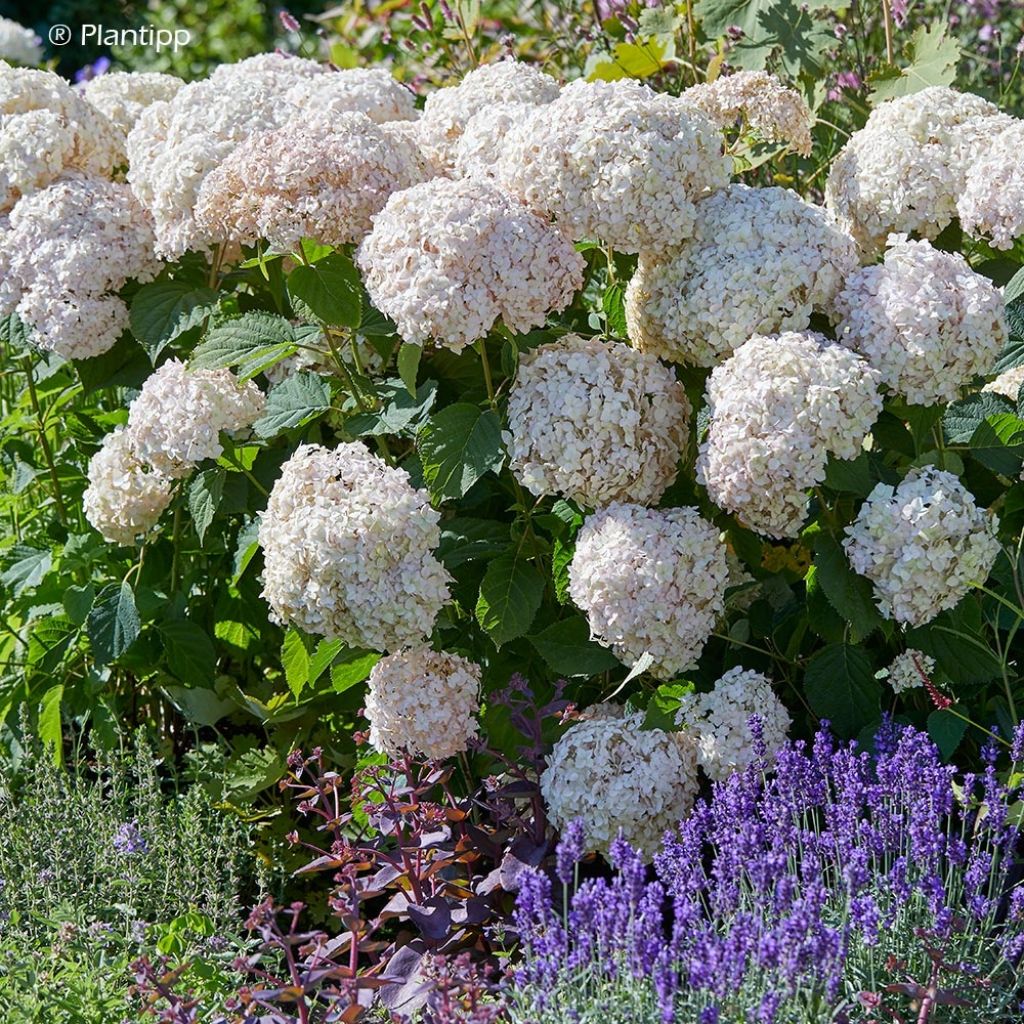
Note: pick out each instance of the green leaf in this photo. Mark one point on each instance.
(457, 446)
(113, 624)
(331, 288)
(293, 403)
(561, 558)
(851, 595)
(26, 567)
(841, 686)
(200, 705)
(946, 731)
(351, 668)
(663, 706)
(325, 653)
(48, 724)
(204, 495)
(190, 652)
(510, 594)
(933, 57)
(1014, 287)
(15, 332)
(246, 545)
(613, 302)
(399, 412)
(251, 342)
(164, 310)
(295, 661)
(963, 417)
(998, 444)
(465, 539)
(568, 650)
(124, 365)
(409, 365)
(78, 602)
(629, 60)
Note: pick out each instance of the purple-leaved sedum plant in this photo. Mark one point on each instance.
(842, 887)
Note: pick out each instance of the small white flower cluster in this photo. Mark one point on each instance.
(596, 421)
(615, 162)
(177, 418)
(1007, 383)
(651, 581)
(20, 45)
(776, 112)
(370, 91)
(311, 179)
(423, 701)
(124, 498)
(447, 258)
(720, 721)
(905, 671)
(64, 253)
(447, 112)
(760, 260)
(779, 406)
(923, 544)
(924, 319)
(991, 205)
(905, 169)
(123, 95)
(482, 140)
(46, 128)
(618, 777)
(348, 546)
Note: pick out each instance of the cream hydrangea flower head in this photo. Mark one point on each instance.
(923, 544)
(310, 179)
(778, 406)
(991, 205)
(19, 45)
(924, 319)
(1007, 383)
(177, 418)
(619, 777)
(448, 111)
(46, 129)
(904, 673)
(650, 581)
(760, 260)
(905, 169)
(720, 721)
(446, 259)
(348, 546)
(615, 162)
(373, 92)
(124, 499)
(423, 701)
(482, 140)
(596, 421)
(123, 95)
(65, 251)
(776, 112)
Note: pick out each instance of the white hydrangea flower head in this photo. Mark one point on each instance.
(1007, 383)
(348, 546)
(615, 162)
(924, 319)
(480, 146)
(650, 581)
(596, 421)
(123, 95)
(124, 499)
(905, 169)
(778, 407)
(618, 777)
(905, 671)
(309, 179)
(373, 92)
(720, 722)
(64, 253)
(447, 258)
(20, 45)
(423, 701)
(175, 144)
(760, 260)
(923, 544)
(776, 112)
(46, 128)
(991, 205)
(177, 418)
(447, 111)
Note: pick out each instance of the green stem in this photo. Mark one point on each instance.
(58, 496)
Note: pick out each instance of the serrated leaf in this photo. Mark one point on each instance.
(457, 446)
(331, 288)
(399, 411)
(510, 594)
(568, 650)
(409, 365)
(190, 652)
(113, 624)
(998, 444)
(325, 653)
(295, 661)
(293, 403)
(162, 311)
(465, 539)
(933, 56)
(962, 418)
(946, 731)
(204, 495)
(48, 724)
(849, 594)
(26, 567)
(246, 546)
(250, 343)
(841, 686)
(629, 60)
(15, 332)
(351, 668)
(78, 602)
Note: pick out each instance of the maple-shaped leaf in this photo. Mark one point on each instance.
(933, 57)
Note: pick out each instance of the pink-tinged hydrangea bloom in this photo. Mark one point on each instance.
(991, 205)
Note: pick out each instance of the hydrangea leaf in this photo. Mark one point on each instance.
(164, 310)
(568, 650)
(331, 288)
(510, 595)
(252, 342)
(457, 446)
(293, 403)
(113, 624)
(204, 494)
(190, 653)
(849, 593)
(841, 686)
